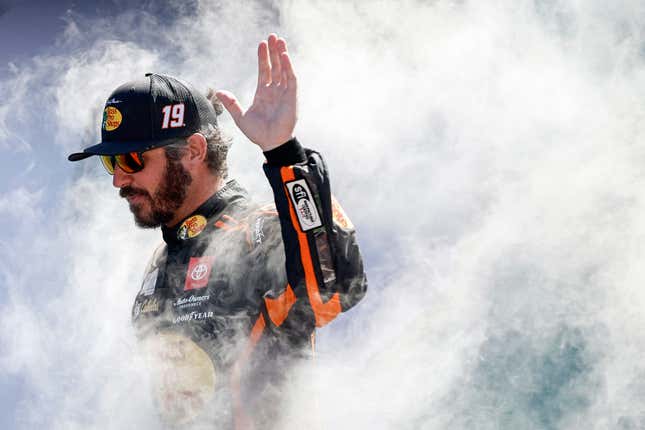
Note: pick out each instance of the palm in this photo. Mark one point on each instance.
(271, 119)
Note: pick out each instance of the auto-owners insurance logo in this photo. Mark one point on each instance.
(304, 204)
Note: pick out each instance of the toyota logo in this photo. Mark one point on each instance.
(199, 272)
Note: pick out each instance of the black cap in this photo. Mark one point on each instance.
(148, 113)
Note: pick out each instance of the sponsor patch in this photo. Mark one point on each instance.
(192, 227)
(112, 118)
(339, 215)
(258, 231)
(191, 301)
(150, 305)
(199, 271)
(193, 316)
(149, 282)
(304, 204)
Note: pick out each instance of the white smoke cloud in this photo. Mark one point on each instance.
(20, 203)
(9, 113)
(489, 154)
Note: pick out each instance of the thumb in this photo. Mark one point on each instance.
(230, 103)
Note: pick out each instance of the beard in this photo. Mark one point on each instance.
(169, 197)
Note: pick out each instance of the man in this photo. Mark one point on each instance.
(230, 301)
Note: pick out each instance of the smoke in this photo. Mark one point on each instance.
(489, 153)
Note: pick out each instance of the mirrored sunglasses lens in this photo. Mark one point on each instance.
(108, 163)
(130, 163)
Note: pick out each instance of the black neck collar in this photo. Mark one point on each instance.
(229, 193)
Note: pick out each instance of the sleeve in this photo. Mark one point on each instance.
(323, 261)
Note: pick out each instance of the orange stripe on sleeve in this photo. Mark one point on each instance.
(278, 308)
(323, 312)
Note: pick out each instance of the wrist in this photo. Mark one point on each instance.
(272, 146)
(286, 154)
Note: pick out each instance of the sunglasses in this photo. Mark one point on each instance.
(131, 162)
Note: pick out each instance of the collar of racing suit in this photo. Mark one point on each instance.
(227, 195)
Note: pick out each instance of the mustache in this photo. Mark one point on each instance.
(128, 191)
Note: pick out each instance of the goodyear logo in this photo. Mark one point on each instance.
(112, 118)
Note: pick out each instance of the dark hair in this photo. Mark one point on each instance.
(217, 144)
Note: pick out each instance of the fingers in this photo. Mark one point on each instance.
(287, 70)
(281, 46)
(230, 103)
(264, 68)
(274, 65)
(274, 53)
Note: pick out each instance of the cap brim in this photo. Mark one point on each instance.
(115, 148)
(78, 156)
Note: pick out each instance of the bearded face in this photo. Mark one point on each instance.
(151, 210)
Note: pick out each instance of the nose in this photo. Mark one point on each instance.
(120, 179)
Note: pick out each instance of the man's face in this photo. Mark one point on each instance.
(156, 192)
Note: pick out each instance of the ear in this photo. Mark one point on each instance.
(196, 148)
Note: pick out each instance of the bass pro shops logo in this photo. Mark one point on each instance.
(192, 227)
(304, 205)
(112, 118)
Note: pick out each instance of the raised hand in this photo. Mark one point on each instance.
(271, 119)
